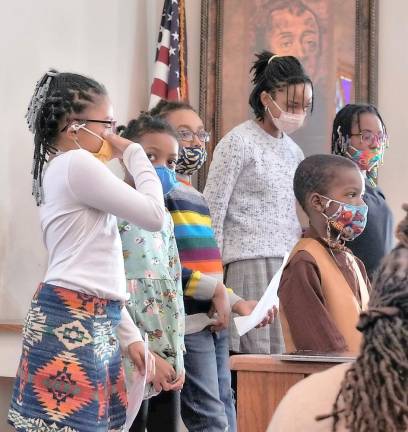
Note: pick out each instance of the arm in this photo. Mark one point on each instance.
(93, 184)
(127, 331)
(301, 298)
(224, 171)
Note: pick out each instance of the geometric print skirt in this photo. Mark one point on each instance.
(70, 377)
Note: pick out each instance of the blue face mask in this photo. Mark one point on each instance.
(167, 178)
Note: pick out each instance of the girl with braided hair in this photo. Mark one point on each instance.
(371, 394)
(70, 376)
(359, 134)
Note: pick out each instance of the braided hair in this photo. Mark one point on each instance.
(271, 74)
(143, 125)
(373, 395)
(56, 96)
(341, 133)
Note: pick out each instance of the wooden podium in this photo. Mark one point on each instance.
(262, 381)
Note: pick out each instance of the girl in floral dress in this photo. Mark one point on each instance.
(153, 274)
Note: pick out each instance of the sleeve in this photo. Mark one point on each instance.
(127, 331)
(301, 299)
(224, 171)
(198, 285)
(94, 185)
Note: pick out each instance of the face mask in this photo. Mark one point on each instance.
(105, 153)
(167, 178)
(190, 160)
(367, 159)
(287, 122)
(349, 220)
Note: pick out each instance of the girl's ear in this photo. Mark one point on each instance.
(315, 202)
(72, 130)
(264, 97)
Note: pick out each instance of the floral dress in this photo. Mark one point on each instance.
(153, 274)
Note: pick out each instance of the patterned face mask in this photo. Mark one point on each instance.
(190, 160)
(348, 220)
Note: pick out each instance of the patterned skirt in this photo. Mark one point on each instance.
(70, 377)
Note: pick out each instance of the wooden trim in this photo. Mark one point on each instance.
(266, 363)
(11, 327)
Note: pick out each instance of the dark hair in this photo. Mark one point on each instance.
(316, 173)
(373, 395)
(272, 75)
(56, 96)
(343, 123)
(165, 107)
(143, 125)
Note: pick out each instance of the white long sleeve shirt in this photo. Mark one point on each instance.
(81, 199)
(249, 191)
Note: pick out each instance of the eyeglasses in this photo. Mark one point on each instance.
(109, 123)
(188, 135)
(371, 138)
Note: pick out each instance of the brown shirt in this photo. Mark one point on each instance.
(301, 296)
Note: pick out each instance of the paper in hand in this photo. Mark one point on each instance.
(267, 301)
(136, 389)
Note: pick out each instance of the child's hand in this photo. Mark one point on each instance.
(179, 382)
(245, 307)
(221, 307)
(165, 375)
(119, 144)
(136, 352)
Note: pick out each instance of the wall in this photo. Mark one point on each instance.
(393, 94)
(112, 41)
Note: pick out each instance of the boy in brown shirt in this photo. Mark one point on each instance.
(324, 287)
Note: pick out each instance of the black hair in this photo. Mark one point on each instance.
(343, 123)
(143, 125)
(271, 74)
(165, 107)
(56, 97)
(316, 173)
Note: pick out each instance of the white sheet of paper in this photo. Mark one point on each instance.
(267, 301)
(136, 390)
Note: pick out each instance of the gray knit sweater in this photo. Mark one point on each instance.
(249, 191)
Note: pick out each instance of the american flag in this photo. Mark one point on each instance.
(170, 69)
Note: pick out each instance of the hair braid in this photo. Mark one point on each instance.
(373, 394)
(56, 97)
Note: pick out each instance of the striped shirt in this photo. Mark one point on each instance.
(199, 254)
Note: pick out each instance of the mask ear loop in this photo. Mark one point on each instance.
(328, 239)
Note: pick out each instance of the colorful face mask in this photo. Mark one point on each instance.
(349, 220)
(167, 178)
(287, 122)
(105, 153)
(366, 159)
(190, 160)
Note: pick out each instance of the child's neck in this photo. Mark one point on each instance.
(321, 233)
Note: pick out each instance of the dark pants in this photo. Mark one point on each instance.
(159, 413)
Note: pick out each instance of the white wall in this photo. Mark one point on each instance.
(113, 41)
(393, 97)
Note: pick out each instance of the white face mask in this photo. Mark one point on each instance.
(287, 122)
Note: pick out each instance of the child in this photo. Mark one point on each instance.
(249, 188)
(359, 134)
(153, 274)
(70, 376)
(369, 394)
(324, 287)
(206, 398)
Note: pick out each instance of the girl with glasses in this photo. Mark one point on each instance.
(70, 375)
(359, 134)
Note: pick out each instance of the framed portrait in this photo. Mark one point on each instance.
(335, 40)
